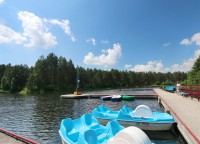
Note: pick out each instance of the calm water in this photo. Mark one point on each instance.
(38, 117)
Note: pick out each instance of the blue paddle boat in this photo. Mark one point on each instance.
(87, 130)
(142, 117)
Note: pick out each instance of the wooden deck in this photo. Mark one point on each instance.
(98, 95)
(5, 139)
(186, 112)
(72, 96)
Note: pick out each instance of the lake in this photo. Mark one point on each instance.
(38, 117)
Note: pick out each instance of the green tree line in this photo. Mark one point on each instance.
(54, 73)
(194, 74)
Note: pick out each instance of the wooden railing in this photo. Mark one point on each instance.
(191, 87)
(18, 137)
(192, 90)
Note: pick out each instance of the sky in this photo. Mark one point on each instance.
(132, 35)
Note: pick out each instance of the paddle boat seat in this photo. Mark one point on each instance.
(89, 122)
(91, 137)
(143, 111)
(88, 137)
(126, 109)
(113, 128)
(124, 116)
(101, 135)
(68, 128)
(102, 108)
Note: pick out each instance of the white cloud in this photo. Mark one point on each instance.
(187, 64)
(36, 31)
(91, 41)
(104, 41)
(64, 24)
(108, 57)
(1, 2)
(157, 66)
(7, 35)
(128, 66)
(195, 39)
(185, 42)
(166, 44)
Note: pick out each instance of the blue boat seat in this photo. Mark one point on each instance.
(102, 108)
(101, 111)
(89, 121)
(124, 116)
(113, 128)
(126, 109)
(101, 134)
(90, 137)
(68, 127)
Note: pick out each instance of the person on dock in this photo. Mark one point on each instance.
(178, 87)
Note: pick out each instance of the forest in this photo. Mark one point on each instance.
(53, 73)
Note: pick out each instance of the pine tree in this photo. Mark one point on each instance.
(194, 74)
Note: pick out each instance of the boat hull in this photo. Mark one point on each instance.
(106, 98)
(128, 98)
(116, 98)
(141, 125)
(63, 142)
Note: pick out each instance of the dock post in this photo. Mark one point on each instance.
(159, 101)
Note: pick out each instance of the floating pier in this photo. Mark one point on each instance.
(73, 96)
(185, 111)
(98, 95)
(146, 93)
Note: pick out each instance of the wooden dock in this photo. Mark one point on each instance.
(73, 96)
(186, 112)
(7, 137)
(98, 95)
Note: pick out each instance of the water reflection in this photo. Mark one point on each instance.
(39, 117)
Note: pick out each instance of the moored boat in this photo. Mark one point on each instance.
(116, 98)
(142, 117)
(87, 130)
(106, 98)
(128, 98)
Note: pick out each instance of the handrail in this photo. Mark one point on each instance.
(192, 93)
(23, 139)
(189, 130)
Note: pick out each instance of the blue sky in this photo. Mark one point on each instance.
(135, 35)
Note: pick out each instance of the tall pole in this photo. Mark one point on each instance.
(78, 79)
